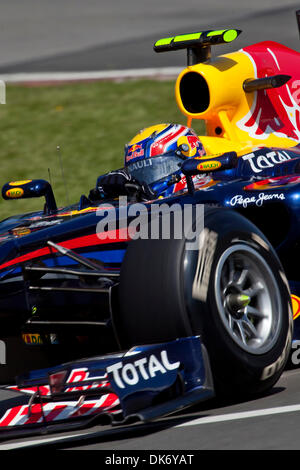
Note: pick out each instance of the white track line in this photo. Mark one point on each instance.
(195, 422)
(33, 443)
(90, 75)
(241, 415)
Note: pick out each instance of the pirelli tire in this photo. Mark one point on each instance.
(231, 290)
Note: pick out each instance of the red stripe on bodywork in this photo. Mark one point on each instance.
(57, 410)
(10, 415)
(35, 413)
(114, 236)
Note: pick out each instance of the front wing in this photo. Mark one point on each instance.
(143, 383)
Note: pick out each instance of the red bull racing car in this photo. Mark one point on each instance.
(184, 263)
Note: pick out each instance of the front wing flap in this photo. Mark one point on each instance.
(144, 383)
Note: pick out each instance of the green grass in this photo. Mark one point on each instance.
(90, 122)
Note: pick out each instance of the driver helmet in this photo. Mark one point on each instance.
(154, 156)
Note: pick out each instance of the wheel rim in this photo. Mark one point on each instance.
(248, 299)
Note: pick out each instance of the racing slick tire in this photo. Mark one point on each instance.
(231, 290)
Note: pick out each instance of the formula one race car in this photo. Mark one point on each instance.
(191, 250)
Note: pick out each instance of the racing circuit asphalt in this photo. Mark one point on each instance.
(76, 35)
(65, 35)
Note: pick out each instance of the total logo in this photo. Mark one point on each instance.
(145, 368)
(258, 163)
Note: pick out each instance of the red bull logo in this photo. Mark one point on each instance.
(196, 146)
(134, 151)
(274, 111)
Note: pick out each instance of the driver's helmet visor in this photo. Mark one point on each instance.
(152, 169)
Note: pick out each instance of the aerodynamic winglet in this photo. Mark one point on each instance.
(198, 44)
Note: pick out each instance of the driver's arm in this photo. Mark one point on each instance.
(120, 183)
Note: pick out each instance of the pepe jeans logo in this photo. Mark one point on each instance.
(240, 200)
(258, 163)
(144, 368)
(2, 353)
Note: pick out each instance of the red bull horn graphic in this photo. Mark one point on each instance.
(274, 111)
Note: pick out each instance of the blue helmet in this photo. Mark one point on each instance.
(154, 156)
